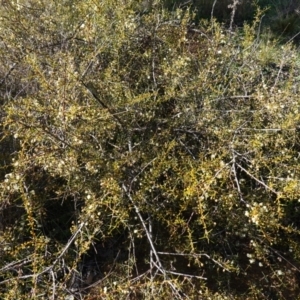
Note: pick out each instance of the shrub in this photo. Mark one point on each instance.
(154, 158)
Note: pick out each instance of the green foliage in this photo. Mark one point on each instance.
(151, 158)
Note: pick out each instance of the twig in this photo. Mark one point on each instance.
(291, 39)
(275, 251)
(186, 275)
(177, 292)
(132, 250)
(212, 10)
(50, 268)
(106, 276)
(186, 148)
(158, 263)
(8, 73)
(235, 177)
(234, 5)
(195, 255)
(15, 264)
(151, 251)
(92, 90)
(142, 170)
(259, 28)
(53, 285)
(278, 74)
(48, 132)
(268, 129)
(73, 237)
(144, 226)
(256, 179)
(135, 279)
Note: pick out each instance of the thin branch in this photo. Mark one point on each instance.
(46, 131)
(144, 226)
(186, 275)
(195, 255)
(137, 278)
(87, 69)
(259, 28)
(233, 6)
(177, 292)
(186, 148)
(15, 264)
(105, 277)
(143, 169)
(53, 285)
(151, 251)
(50, 268)
(70, 241)
(256, 179)
(233, 169)
(278, 74)
(133, 251)
(8, 73)
(292, 38)
(268, 129)
(92, 90)
(158, 263)
(212, 10)
(275, 251)
(234, 97)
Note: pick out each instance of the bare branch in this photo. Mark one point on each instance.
(257, 180)
(195, 255)
(158, 263)
(233, 169)
(16, 264)
(92, 90)
(50, 268)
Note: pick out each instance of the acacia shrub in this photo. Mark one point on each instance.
(174, 147)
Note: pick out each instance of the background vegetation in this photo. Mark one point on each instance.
(147, 153)
(281, 17)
